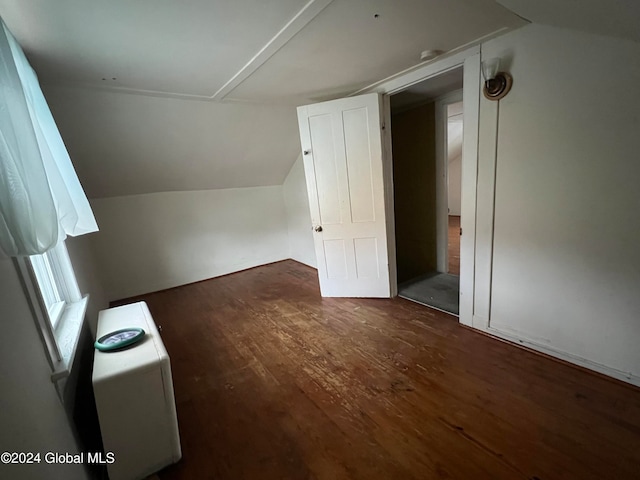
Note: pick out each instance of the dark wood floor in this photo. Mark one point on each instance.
(454, 245)
(274, 382)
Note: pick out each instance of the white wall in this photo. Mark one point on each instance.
(454, 153)
(298, 216)
(89, 277)
(161, 240)
(31, 415)
(125, 144)
(454, 185)
(566, 263)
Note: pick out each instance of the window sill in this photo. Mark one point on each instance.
(67, 334)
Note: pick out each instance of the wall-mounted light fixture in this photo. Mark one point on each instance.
(496, 83)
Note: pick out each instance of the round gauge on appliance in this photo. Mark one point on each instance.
(119, 339)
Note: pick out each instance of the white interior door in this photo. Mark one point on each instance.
(342, 153)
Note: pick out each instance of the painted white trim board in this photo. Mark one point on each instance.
(297, 23)
(469, 59)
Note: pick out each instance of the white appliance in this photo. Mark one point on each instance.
(134, 397)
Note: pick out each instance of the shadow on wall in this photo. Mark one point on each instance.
(414, 186)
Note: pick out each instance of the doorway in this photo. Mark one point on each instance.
(453, 161)
(426, 140)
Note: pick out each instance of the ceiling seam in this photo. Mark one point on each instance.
(157, 93)
(310, 11)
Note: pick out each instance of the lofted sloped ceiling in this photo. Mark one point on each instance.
(194, 47)
(185, 47)
(125, 144)
(159, 95)
(615, 18)
(347, 47)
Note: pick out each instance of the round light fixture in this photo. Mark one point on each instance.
(429, 55)
(497, 87)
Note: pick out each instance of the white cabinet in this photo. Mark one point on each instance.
(134, 397)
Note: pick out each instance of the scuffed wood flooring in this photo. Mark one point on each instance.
(274, 382)
(453, 245)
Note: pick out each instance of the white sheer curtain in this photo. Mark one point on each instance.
(41, 199)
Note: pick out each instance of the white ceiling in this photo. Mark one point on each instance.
(346, 48)
(125, 144)
(427, 90)
(218, 78)
(189, 47)
(616, 18)
(195, 47)
(276, 53)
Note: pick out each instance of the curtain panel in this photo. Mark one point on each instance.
(41, 199)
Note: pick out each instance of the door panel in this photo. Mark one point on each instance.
(343, 163)
(366, 251)
(356, 136)
(335, 259)
(327, 176)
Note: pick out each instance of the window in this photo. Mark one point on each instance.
(57, 281)
(61, 306)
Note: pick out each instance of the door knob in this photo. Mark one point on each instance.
(318, 228)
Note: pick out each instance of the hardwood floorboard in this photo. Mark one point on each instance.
(274, 382)
(454, 245)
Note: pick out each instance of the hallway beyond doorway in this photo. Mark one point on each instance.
(437, 289)
(453, 245)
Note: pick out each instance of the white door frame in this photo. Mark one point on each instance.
(469, 59)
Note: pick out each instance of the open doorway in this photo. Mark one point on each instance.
(426, 137)
(453, 158)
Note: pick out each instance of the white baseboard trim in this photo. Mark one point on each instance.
(304, 261)
(626, 377)
(212, 271)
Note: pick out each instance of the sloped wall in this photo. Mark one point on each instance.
(183, 190)
(130, 144)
